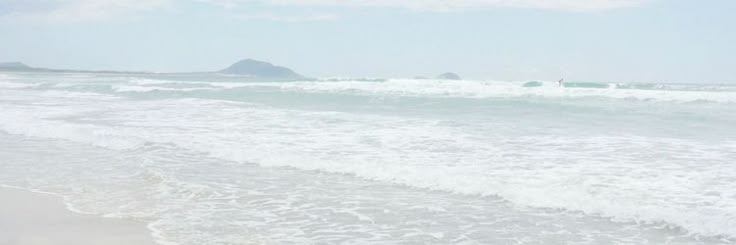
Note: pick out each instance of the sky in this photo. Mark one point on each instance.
(584, 40)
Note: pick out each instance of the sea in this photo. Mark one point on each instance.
(214, 159)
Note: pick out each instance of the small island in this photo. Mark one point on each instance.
(449, 76)
(260, 69)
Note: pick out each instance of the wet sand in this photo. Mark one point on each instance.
(28, 218)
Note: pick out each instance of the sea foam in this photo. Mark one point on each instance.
(665, 174)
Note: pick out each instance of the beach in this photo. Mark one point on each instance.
(236, 122)
(28, 218)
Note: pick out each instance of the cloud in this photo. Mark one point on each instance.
(53, 11)
(74, 10)
(458, 5)
(227, 4)
(254, 10)
(270, 16)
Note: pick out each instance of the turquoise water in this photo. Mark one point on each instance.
(219, 160)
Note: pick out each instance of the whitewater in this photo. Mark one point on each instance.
(207, 159)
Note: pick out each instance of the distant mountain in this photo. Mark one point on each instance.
(14, 65)
(260, 69)
(449, 76)
(247, 68)
(21, 67)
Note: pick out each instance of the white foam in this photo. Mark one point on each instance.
(13, 85)
(491, 89)
(686, 183)
(149, 81)
(128, 88)
(423, 154)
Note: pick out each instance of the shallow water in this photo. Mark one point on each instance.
(218, 161)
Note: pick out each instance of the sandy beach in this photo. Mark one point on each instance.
(28, 218)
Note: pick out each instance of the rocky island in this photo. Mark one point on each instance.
(449, 76)
(260, 69)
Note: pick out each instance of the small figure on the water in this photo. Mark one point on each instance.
(561, 82)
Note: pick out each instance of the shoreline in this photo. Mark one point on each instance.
(33, 218)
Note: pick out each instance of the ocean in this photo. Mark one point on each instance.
(207, 159)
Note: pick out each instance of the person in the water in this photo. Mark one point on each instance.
(561, 82)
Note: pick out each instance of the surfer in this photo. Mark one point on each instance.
(560, 82)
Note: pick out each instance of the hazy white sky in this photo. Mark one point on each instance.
(603, 40)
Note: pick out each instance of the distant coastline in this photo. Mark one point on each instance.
(248, 68)
(244, 69)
